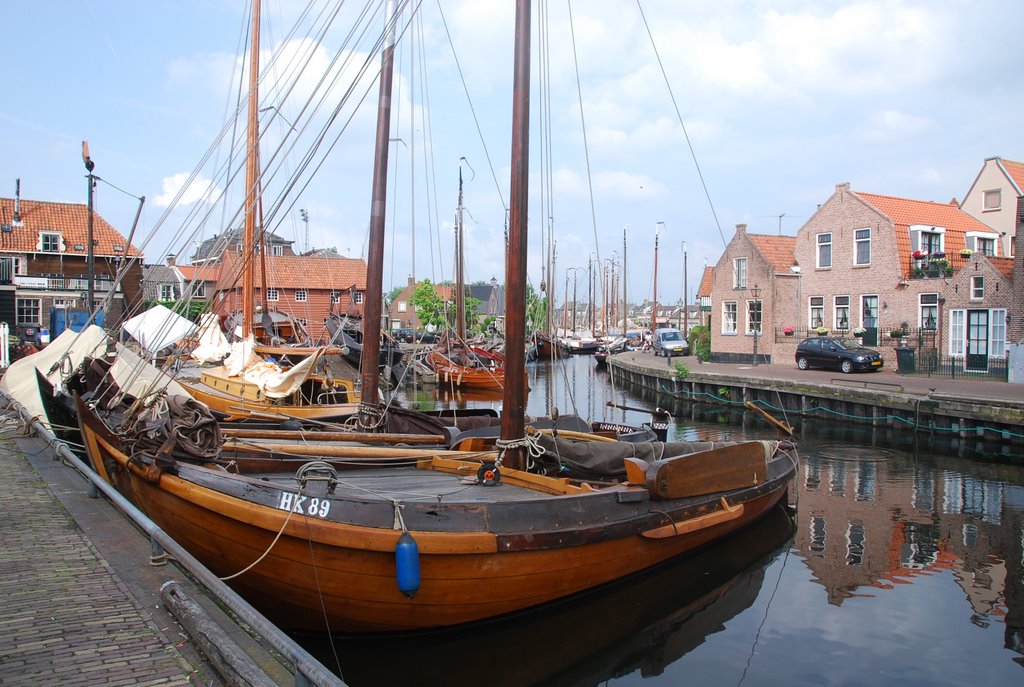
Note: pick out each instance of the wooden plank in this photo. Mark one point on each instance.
(708, 472)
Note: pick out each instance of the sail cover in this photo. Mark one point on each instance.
(158, 328)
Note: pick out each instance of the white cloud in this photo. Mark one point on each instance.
(200, 190)
(894, 125)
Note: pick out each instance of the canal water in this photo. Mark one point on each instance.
(903, 565)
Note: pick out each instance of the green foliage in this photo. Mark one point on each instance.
(430, 308)
(700, 342)
(682, 371)
(536, 309)
(724, 392)
(393, 293)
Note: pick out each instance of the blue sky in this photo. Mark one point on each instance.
(780, 102)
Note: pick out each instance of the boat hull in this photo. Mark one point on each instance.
(333, 566)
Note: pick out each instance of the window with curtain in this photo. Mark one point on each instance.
(862, 247)
(739, 273)
(998, 333)
(825, 250)
(729, 317)
(956, 333)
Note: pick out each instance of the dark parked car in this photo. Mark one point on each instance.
(842, 354)
(404, 335)
(427, 337)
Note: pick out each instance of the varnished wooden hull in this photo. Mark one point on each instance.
(449, 372)
(483, 551)
(548, 349)
(241, 405)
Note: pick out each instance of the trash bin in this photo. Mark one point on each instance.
(905, 363)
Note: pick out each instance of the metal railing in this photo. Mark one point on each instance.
(928, 362)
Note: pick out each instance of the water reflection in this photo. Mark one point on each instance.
(908, 550)
(645, 623)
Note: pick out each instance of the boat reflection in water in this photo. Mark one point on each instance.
(644, 622)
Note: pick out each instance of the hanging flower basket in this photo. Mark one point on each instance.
(788, 331)
(920, 255)
(822, 331)
(966, 253)
(859, 331)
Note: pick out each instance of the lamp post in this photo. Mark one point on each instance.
(755, 324)
(91, 251)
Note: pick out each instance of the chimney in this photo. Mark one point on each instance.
(170, 261)
(16, 222)
(411, 282)
(741, 229)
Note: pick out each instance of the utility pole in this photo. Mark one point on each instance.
(654, 311)
(686, 298)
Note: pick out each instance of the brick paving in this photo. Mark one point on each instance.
(65, 617)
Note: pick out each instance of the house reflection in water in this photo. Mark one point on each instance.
(872, 519)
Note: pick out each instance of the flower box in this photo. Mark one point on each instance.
(822, 331)
(859, 331)
(920, 255)
(966, 253)
(788, 331)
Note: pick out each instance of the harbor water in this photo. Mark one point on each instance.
(903, 565)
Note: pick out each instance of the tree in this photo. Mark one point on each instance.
(536, 309)
(430, 307)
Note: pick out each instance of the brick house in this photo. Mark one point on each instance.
(44, 264)
(878, 262)
(308, 287)
(992, 199)
(490, 294)
(754, 289)
(171, 281)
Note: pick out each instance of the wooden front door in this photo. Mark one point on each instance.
(977, 340)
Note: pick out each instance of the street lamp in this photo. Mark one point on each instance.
(755, 324)
(91, 252)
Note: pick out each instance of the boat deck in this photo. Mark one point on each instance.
(410, 484)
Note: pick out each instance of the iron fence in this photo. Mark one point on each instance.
(927, 362)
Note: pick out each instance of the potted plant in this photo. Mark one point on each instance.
(897, 333)
(938, 255)
(822, 331)
(788, 331)
(920, 255)
(966, 253)
(859, 331)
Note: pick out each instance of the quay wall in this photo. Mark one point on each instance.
(861, 399)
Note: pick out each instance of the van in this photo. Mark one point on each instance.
(670, 342)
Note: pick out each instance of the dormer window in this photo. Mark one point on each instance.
(118, 249)
(49, 242)
(277, 250)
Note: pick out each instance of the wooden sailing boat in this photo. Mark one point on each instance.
(233, 391)
(455, 362)
(357, 538)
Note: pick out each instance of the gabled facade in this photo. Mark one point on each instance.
(886, 264)
(992, 199)
(309, 289)
(754, 289)
(44, 263)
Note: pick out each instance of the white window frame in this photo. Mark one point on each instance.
(24, 308)
(811, 307)
(335, 296)
(861, 236)
(821, 241)
(730, 318)
(403, 306)
(997, 333)
(928, 303)
(957, 333)
(739, 273)
(199, 289)
(53, 237)
(918, 230)
(995, 195)
(752, 305)
(167, 292)
(273, 294)
(301, 295)
(277, 249)
(978, 288)
(357, 297)
(839, 307)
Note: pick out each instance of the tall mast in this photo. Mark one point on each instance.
(460, 281)
(654, 313)
(625, 306)
(251, 172)
(513, 419)
(370, 356)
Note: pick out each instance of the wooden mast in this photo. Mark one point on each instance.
(460, 280)
(251, 172)
(654, 313)
(370, 357)
(513, 421)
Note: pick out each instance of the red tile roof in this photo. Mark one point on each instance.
(1016, 172)
(302, 272)
(706, 283)
(779, 251)
(1004, 265)
(70, 220)
(905, 212)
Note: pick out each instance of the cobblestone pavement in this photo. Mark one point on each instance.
(65, 618)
